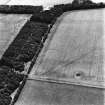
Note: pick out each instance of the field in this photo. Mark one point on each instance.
(48, 93)
(75, 52)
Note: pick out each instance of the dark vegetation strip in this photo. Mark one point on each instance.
(28, 44)
(20, 9)
(41, 46)
(76, 6)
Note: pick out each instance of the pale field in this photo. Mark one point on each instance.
(77, 46)
(47, 93)
(10, 25)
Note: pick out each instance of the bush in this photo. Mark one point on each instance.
(5, 99)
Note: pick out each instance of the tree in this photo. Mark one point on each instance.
(81, 2)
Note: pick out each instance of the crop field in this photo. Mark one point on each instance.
(75, 52)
